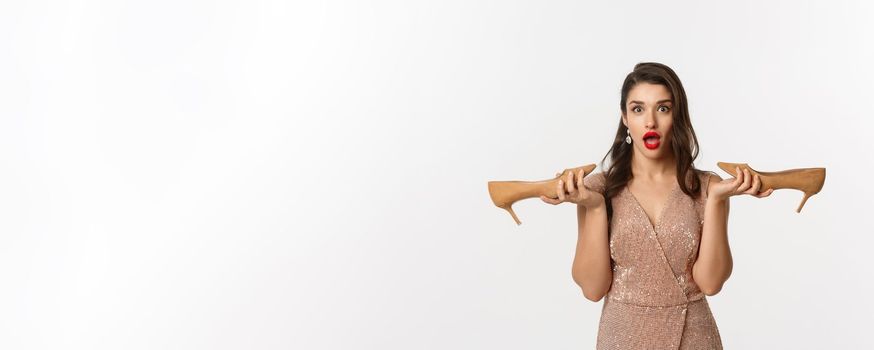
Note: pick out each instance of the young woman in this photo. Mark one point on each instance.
(652, 229)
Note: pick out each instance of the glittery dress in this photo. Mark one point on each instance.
(653, 302)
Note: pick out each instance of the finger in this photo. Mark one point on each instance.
(738, 179)
(569, 182)
(560, 190)
(746, 183)
(765, 193)
(548, 200)
(554, 201)
(754, 187)
(580, 184)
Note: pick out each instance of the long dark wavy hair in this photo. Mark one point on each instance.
(684, 142)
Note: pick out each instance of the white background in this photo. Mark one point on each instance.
(312, 174)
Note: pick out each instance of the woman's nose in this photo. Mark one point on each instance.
(650, 120)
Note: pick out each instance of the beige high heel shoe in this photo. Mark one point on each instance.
(505, 193)
(807, 180)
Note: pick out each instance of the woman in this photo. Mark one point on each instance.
(660, 243)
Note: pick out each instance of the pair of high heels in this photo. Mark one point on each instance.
(807, 180)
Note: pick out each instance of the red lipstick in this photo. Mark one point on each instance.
(652, 143)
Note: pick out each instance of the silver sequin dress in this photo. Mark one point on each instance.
(653, 302)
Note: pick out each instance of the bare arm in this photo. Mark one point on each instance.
(591, 268)
(714, 263)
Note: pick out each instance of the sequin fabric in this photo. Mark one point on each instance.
(654, 303)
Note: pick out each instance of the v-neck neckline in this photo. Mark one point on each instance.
(665, 206)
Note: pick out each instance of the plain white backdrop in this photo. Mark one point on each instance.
(312, 174)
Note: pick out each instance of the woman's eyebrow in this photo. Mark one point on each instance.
(668, 100)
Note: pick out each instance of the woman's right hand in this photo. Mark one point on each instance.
(571, 189)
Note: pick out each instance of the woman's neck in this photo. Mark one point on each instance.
(655, 170)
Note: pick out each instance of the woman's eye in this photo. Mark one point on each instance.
(636, 109)
(666, 108)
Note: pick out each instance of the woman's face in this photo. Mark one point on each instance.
(649, 108)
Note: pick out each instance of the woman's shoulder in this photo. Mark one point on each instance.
(596, 181)
(708, 178)
(708, 175)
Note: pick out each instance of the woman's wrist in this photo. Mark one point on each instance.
(715, 200)
(597, 206)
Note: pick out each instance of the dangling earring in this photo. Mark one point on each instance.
(628, 138)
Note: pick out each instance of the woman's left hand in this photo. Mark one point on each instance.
(743, 183)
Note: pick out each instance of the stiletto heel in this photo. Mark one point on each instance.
(807, 180)
(803, 200)
(505, 193)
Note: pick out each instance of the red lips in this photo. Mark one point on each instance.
(653, 144)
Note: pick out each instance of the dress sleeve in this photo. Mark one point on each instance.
(595, 182)
(706, 183)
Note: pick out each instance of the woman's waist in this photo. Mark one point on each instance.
(653, 302)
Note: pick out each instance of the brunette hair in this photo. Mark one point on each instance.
(684, 143)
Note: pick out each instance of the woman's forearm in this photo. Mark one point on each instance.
(591, 268)
(714, 263)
